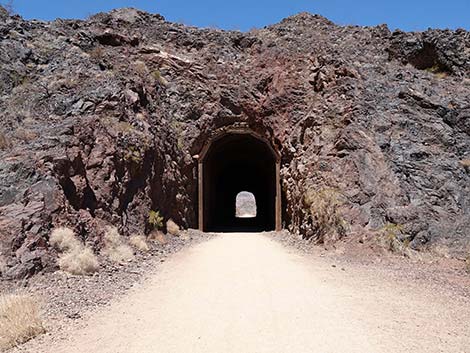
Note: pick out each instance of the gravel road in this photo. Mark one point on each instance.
(248, 293)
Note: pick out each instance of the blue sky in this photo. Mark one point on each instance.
(247, 14)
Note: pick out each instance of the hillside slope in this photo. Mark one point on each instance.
(101, 119)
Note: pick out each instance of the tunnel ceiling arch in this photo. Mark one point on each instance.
(233, 162)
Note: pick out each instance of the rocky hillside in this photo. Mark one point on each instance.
(101, 119)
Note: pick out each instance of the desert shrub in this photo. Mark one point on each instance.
(20, 319)
(172, 228)
(97, 53)
(133, 155)
(124, 127)
(141, 68)
(76, 258)
(115, 248)
(155, 220)
(390, 236)
(64, 239)
(25, 134)
(139, 242)
(159, 78)
(81, 261)
(327, 222)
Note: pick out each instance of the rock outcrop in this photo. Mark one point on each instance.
(101, 119)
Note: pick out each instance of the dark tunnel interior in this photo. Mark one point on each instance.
(235, 163)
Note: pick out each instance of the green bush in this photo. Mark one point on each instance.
(155, 220)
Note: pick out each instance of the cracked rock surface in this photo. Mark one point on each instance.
(101, 119)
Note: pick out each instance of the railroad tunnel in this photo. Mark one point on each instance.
(235, 164)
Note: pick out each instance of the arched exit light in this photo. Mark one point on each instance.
(245, 205)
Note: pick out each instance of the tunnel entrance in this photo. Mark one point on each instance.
(234, 164)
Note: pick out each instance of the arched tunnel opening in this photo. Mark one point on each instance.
(233, 164)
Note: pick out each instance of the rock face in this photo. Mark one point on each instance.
(101, 120)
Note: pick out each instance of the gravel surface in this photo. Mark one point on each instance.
(66, 298)
(70, 302)
(435, 272)
(245, 292)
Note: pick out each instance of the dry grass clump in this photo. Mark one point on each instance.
(115, 248)
(465, 163)
(4, 142)
(76, 258)
(64, 239)
(327, 222)
(139, 242)
(3, 265)
(389, 238)
(79, 262)
(25, 134)
(141, 69)
(97, 53)
(172, 228)
(20, 320)
(159, 78)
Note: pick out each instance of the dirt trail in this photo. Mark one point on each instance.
(247, 293)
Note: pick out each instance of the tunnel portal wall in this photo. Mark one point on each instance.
(232, 162)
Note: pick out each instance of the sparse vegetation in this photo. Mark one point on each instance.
(97, 53)
(139, 242)
(25, 134)
(172, 228)
(155, 220)
(465, 163)
(4, 142)
(124, 127)
(3, 265)
(141, 69)
(115, 248)
(327, 222)
(178, 128)
(389, 238)
(159, 78)
(134, 155)
(8, 6)
(20, 319)
(438, 70)
(76, 258)
(64, 239)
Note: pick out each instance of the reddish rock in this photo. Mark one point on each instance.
(101, 118)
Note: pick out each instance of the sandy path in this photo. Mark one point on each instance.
(246, 293)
